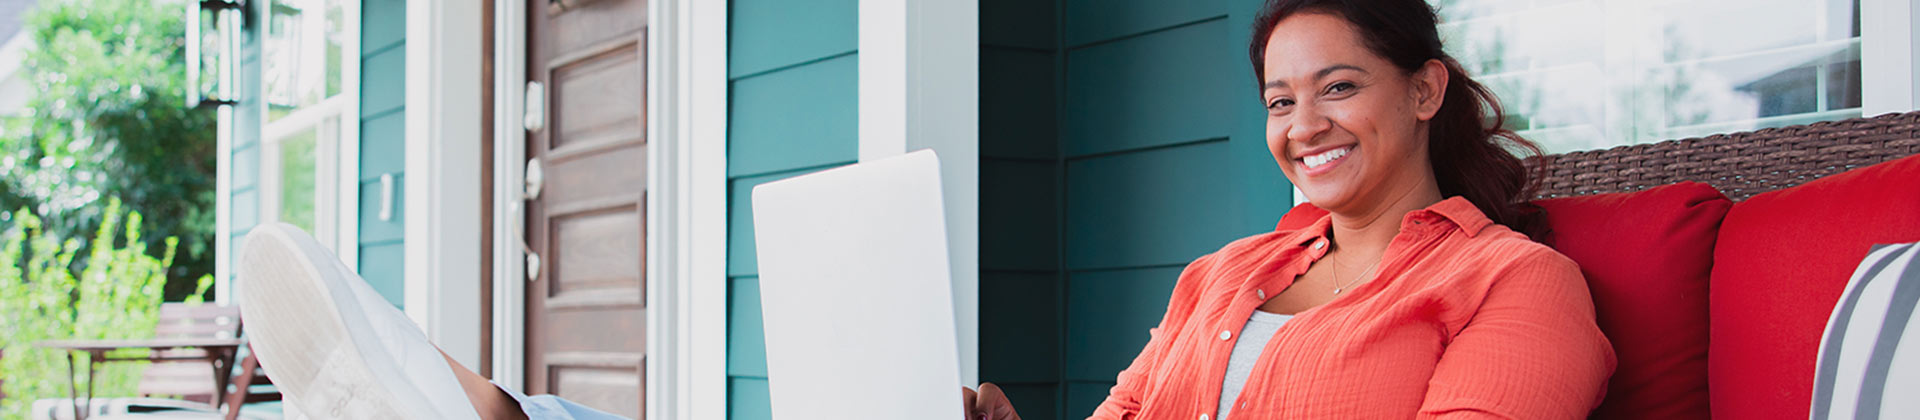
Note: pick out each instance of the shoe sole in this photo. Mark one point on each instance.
(297, 332)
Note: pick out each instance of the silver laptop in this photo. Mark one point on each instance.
(856, 293)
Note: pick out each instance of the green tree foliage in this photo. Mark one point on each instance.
(107, 120)
(115, 296)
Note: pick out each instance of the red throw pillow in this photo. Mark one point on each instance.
(1780, 264)
(1646, 256)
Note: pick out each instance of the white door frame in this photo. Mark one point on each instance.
(443, 174)
(687, 209)
(686, 205)
(509, 157)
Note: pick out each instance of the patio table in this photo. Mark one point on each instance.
(218, 352)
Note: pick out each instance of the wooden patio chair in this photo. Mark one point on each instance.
(190, 383)
(245, 377)
(191, 356)
(191, 374)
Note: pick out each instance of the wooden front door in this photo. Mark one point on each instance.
(586, 312)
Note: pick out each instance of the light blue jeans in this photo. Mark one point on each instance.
(549, 407)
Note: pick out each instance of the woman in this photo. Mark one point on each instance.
(1415, 296)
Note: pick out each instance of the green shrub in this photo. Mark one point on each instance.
(49, 292)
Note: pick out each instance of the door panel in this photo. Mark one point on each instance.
(586, 311)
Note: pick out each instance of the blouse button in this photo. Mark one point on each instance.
(1261, 293)
(1224, 334)
(1319, 244)
(1203, 416)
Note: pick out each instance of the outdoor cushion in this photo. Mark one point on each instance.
(1782, 259)
(1646, 256)
(1864, 371)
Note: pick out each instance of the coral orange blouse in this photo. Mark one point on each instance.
(1467, 319)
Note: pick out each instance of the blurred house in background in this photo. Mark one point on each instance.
(13, 88)
(558, 191)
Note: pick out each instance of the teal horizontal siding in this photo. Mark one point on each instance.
(771, 34)
(1110, 313)
(1017, 202)
(383, 266)
(1102, 20)
(1162, 88)
(1158, 156)
(1083, 397)
(1019, 327)
(372, 229)
(383, 146)
(793, 72)
(1017, 23)
(1034, 401)
(1018, 113)
(795, 118)
(747, 399)
(742, 259)
(1152, 207)
(383, 24)
(383, 82)
(746, 332)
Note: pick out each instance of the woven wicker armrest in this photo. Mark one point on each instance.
(1738, 164)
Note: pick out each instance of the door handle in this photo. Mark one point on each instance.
(535, 117)
(535, 178)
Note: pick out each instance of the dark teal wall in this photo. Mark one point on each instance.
(793, 70)
(1119, 141)
(383, 148)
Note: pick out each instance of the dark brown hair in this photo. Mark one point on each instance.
(1472, 155)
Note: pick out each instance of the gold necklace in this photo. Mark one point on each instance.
(1338, 286)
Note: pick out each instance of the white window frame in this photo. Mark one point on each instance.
(1889, 57)
(1618, 128)
(336, 195)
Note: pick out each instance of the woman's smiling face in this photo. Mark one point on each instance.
(1347, 126)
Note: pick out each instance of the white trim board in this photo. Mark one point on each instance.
(920, 89)
(704, 136)
(509, 154)
(443, 174)
(1889, 56)
(686, 210)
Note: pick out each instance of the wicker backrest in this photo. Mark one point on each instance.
(1738, 164)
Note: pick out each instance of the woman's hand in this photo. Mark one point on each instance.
(988, 404)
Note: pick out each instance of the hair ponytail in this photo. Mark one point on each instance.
(1472, 155)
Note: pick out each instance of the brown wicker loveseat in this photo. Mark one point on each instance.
(1716, 305)
(1714, 263)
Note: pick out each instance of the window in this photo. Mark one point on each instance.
(308, 48)
(1576, 75)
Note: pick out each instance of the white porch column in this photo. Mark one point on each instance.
(920, 89)
(1889, 56)
(443, 174)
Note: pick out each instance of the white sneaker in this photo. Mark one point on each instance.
(331, 343)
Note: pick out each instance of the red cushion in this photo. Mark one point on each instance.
(1646, 256)
(1782, 259)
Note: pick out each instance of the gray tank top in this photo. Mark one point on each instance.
(1253, 338)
